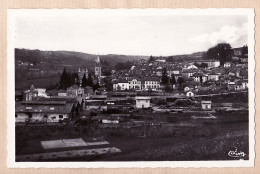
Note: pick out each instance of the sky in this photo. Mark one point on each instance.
(141, 34)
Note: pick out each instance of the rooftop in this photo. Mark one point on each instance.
(142, 98)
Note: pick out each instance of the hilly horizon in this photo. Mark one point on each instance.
(80, 59)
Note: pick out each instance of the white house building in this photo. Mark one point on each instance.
(142, 102)
(205, 105)
(121, 85)
(227, 64)
(199, 77)
(213, 76)
(189, 94)
(135, 83)
(151, 83)
(43, 112)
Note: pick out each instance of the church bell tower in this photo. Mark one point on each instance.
(98, 69)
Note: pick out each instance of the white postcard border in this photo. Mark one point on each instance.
(13, 13)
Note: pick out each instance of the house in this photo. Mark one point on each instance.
(174, 71)
(152, 83)
(142, 102)
(199, 77)
(189, 94)
(30, 94)
(244, 84)
(227, 64)
(95, 104)
(121, 85)
(135, 83)
(158, 71)
(75, 91)
(231, 86)
(210, 63)
(188, 73)
(42, 92)
(238, 86)
(62, 93)
(206, 105)
(122, 104)
(213, 76)
(44, 111)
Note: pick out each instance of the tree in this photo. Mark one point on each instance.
(165, 78)
(180, 80)
(197, 64)
(96, 86)
(124, 65)
(75, 79)
(173, 80)
(244, 50)
(90, 81)
(70, 80)
(151, 59)
(204, 65)
(84, 81)
(108, 84)
(118, 88)
(64, 83)
(222, 52)
(168, 88)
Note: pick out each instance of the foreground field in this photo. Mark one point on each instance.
(187, 138)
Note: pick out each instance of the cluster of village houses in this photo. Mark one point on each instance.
(37, 105)
(145, 75)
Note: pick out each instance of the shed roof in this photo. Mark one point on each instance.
(206, 102)
(142, 98)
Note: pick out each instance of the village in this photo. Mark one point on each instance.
(151, 99)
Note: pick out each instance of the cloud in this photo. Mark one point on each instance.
(235, 35)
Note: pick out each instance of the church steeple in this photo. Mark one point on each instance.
(98, 60)
(98, 69)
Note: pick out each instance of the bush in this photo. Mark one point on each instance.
(93, 113)
(162, 102)
(183, 102)
(113, 111)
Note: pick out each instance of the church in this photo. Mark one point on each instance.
(97, 72)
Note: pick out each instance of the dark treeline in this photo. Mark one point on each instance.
(124, 65)
(87, 81)
(67, 80)
(179, 58)
(222, 52)
(244, 51)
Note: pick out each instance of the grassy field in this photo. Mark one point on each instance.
(184, 138)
